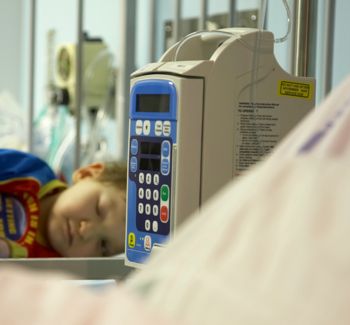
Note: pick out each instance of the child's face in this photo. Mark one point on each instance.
(88, 219)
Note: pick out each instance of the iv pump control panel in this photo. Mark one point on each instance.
(152, 135)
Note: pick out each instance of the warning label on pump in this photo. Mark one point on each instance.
(295, 89)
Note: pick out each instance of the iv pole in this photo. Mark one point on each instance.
(31, 73)
(304, 38)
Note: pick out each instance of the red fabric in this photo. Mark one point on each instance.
(19, 215)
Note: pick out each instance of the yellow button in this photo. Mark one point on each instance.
(131, 240)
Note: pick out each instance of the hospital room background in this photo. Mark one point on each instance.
(146, 29)
(42, 38)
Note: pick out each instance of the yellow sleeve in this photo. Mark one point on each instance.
(16, 250)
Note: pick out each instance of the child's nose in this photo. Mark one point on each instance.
(85, 229)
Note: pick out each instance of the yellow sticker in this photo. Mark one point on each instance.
(131, 240)
(295, 89)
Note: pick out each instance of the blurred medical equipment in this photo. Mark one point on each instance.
(215, 104)
(13, 123)
(97, 71)
(55, 132)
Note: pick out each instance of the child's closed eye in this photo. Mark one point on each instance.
(104, 247)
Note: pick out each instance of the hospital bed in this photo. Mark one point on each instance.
(82, 268)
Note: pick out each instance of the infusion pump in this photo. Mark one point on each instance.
(153, 180)
(214, 104)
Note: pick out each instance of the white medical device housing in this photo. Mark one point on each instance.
(213, 105)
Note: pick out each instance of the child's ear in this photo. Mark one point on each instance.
(92, 170)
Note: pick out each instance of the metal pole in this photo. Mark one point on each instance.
(152, 31)
(262, 15)
(177, 20)
(126, 67)
(304, 38)
(31, 74)
(203, 15)
(232, 12)
(79, 83)
(328, 46)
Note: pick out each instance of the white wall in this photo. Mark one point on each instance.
(11, 37)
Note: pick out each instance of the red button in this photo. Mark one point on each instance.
(164, 215)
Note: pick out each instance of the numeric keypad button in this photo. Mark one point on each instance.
(140, 208)
(155, 195)
(141, 193)
(141, 178)
(155, 210)
(148, 194)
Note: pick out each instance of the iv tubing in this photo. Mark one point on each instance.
(189, 36)
(284, 38)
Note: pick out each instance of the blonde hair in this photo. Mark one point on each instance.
(114, 173)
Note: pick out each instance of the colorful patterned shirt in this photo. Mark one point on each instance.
(24, 180)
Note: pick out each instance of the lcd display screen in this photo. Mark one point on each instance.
(150, 164)
(150, 148)
(153, 103)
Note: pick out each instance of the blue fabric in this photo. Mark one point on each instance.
(17, 164)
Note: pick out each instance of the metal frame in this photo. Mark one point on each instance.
(203, 15)
(82, 268)
(232, 12)
(79, 83)
(31, 72)
(177, 20)
(328, 47)
(152, 30)
(304, 38)
(127, 66)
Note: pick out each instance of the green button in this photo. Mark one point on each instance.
(164, 192)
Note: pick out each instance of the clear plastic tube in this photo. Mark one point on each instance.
(189, 36)
(289, 23)
(261, 25)
(262, 19)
